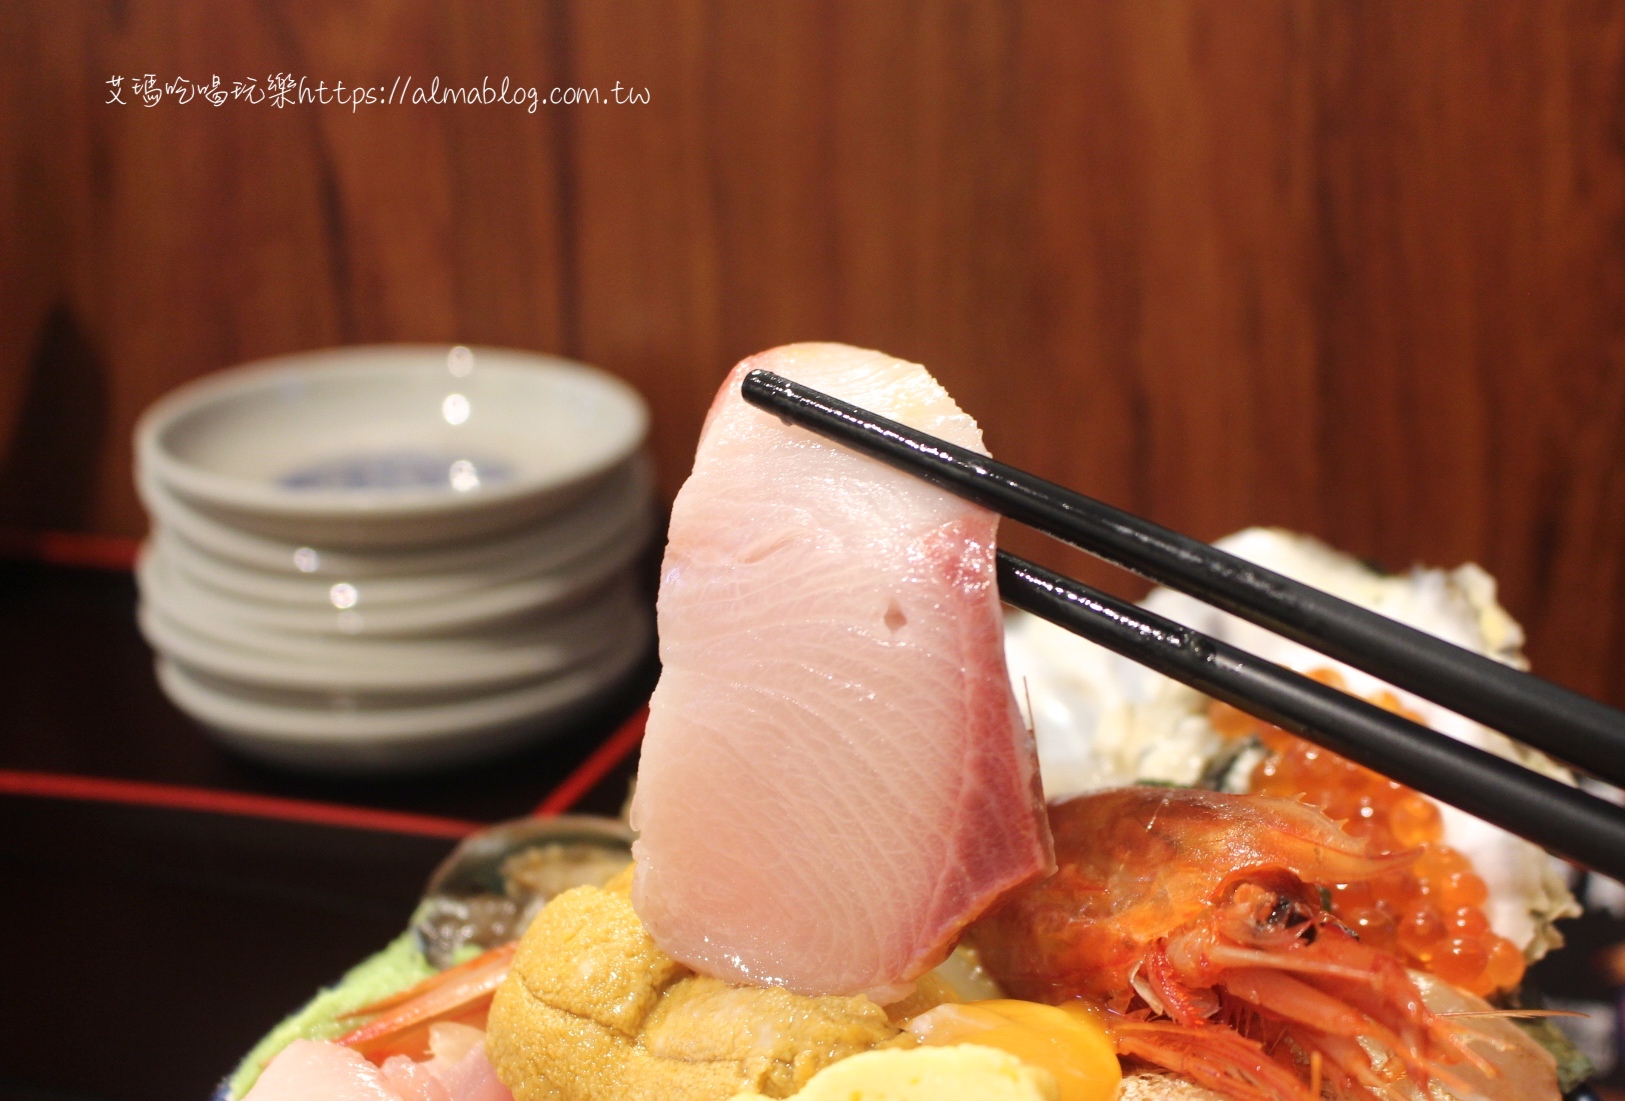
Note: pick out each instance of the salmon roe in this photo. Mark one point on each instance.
(1430, 913)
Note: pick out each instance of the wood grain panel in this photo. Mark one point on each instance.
(1356, 269)
(188, 238)
(1472, 197)
(1183, 355)
(799, 181)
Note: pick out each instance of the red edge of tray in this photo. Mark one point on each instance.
(70, 548)
(53, 785)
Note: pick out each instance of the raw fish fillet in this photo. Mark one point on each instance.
(310, 1070)
(470, 1078)
(413, 1081)
(307, 1070)
(835, 778)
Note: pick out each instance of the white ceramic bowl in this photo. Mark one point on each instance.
(389, 672)
(623, 494)
(494, 607)
(632, 528)
(384, 740)
(390, 445)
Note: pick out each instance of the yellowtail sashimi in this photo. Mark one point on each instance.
(836, 779)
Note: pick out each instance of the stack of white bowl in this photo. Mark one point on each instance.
(387, 558)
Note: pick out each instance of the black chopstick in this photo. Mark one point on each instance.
(1561, 819)
(1584, 733)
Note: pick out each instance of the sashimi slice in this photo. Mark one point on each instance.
(468, 1075)
(309, 1070)
(835, 778)
(413, 1081)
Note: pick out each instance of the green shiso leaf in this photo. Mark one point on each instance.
(1572, 1065)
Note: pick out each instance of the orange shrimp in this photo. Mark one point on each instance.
(400, 1023)
(1196, 917)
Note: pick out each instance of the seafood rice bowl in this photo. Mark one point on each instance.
(896, 844)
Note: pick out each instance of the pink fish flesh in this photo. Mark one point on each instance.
(835, 779)
(414, 1081)
(308, 1070)
(471, 1077)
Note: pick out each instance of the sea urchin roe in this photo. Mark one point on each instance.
(1432, 912)
(593, 1009)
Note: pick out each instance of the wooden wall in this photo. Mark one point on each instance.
(1354, 268)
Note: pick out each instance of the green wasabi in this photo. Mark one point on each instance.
(397, 967)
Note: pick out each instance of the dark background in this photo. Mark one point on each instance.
(144, 949)
(1353, 268)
